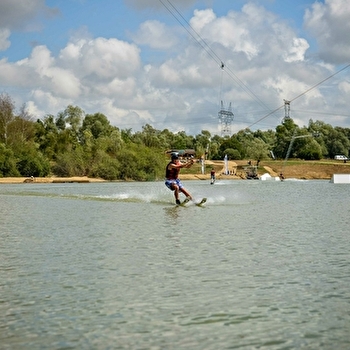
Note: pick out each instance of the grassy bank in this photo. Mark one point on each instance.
(294, 168)
(301, 169)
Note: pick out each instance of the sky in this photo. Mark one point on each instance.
(173, 64)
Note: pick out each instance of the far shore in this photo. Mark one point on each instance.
(85, 179)
(53, 179)
(310, 170)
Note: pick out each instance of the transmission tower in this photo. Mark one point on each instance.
(286, 110)
(225, 118)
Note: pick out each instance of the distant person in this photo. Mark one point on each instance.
(172, 180)
(212, 176)
(281, 176)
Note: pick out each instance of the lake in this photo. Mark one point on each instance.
(262, 265)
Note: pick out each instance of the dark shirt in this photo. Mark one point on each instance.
(173, 173)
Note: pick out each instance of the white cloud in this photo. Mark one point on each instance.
(101, 59)
(155, 34)
(202, 18)
(16, 74)
(345, 87)
(88, 73)
(40, 60)
(4, 42)
(72, 52)
(44, 102)
(329, 23)
(59, 81)
(297, 50)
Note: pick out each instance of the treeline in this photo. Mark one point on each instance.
(73, 143)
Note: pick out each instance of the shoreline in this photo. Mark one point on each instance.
(312, 170)
(85, 179)
(53, 179)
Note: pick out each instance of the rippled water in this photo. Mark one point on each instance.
(263, 265)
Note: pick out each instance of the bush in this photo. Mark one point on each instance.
(105, 167)
(69, 164)
(311, 151)
(33, 167)
(7, 162)
(140, 163)
(232, 154)
(34, 164)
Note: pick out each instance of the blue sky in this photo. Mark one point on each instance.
(158, 62)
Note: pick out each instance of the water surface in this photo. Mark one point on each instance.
(262, 265)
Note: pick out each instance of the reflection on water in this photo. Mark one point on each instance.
(117, 265)
(172, 213)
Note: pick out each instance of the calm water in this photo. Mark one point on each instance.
(263, 265)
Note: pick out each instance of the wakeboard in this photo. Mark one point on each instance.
(182, 204)
(186, 200)
(201, 202)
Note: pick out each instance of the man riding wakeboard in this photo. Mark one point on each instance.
(172, 180)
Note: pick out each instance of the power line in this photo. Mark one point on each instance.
(322, 113)
(305, 92)
(201, 42)
(321, 82)
(230, 73)
(197, 37)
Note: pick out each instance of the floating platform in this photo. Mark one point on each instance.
(340, 179)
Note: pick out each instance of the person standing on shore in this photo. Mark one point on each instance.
(172, 180)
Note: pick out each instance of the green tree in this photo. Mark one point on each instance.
(311, 150)
(115, 143)
(149, 136)
(284, 135)
(7, 107)
(232, 154)
(104, 167)
(73, 115)
(32, 163)
(214, 147)
(234, 144)
(182, 141)
(126, 135)
(269, 137)
(257, 149)
(141, 163)
(203, 140)
(61, 121)
(319, 130)
(98, 124)
(70, 163)
(7, 162)
(337, 143)
(20, 129)
(46, 136)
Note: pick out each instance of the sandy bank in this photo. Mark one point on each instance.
(18, 180)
